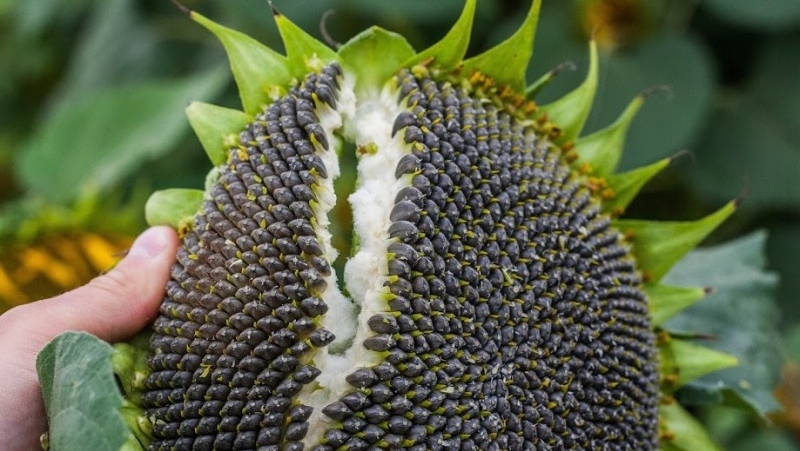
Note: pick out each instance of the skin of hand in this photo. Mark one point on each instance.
(113, 306)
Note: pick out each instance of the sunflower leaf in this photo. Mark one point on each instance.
(80, 395)
(781, 14)
(740, 316)
(94, 142)
(754, 134)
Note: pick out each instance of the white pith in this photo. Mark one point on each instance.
(366, 120)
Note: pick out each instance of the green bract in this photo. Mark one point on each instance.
(489, 299)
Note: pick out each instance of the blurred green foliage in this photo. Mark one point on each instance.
(92, 96)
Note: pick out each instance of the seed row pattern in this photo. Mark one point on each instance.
(240, 321)
(517, 320)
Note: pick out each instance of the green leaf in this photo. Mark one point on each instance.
(767, 440)
(449, 52)
(374, 56)
(666, 301)
(36, 17)
(659, 245)
(411, 14)
(217, 128)
(744, 147)
(669, 122)
(101, 58)
(603, 148)
(752, 138)
(175, 207)
(507, 62)
(686, 361)
(776, 14)
(571, 111)
(782, 251)
(261, 73)
(305, 53)
(92, 143)
(80, 394)
(684, 432)
(740, 315)
(626, 186)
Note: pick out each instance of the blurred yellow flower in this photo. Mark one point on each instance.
(616, 23)
(55, 263)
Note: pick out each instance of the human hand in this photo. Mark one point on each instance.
(113, 307)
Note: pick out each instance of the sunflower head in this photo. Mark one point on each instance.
(470, 285)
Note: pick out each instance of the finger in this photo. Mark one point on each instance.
(113, 307)
(118, 304)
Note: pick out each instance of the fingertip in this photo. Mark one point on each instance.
(154, 242)
(133, 290)
(120, 303)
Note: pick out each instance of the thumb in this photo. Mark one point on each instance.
(118, 304)
(113, 306)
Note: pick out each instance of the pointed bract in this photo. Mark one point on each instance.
(129, 362)
(374, 56)
(534, 88)
(211, 178)
(217, 128)
(571, 111)
(449, 52)
(173, 207)
(304, 52)
(657, 246)
(137, 420)
(261, 74)
(666, 300)
(682, 432)
(507, 62)
(626, 186)
(683, 361)
(603, 148)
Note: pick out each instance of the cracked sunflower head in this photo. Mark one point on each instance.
(403, 250)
